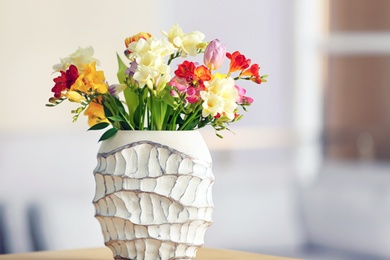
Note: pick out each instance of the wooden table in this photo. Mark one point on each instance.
(105, 254)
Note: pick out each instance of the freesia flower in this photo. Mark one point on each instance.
(135, 38)
(253, 73)
(65, 81)
(214, 55)
(90, 80)
(78, 58)
(115, 89)
(95, 113)
(227, 92)
(180, 83)
(148, 96)
(149, 55)
(238, 61)
(75, 96)
(242, 99)
(193, 95)
(187, 43)
(212, 105)
(191, 42)
(133, 67)
(191, 78)
(194, 75)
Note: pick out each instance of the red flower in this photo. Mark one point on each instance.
(253, 73)
(186, 71)
(237, 61)
(65, 81)
(194, 78)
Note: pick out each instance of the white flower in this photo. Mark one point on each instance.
(224, 89)
(174, 34)
(78, 58)
(229, 108)
(187, 43)
(162, 81)
(150, 55)
(138, 48)
(212, 105)
(191, 41)
(162, 47)
(145, 75)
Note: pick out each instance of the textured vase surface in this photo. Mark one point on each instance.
(154, 194)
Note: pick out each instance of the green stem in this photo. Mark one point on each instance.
(191, 118)
(174, 118)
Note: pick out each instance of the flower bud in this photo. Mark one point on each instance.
(115, 89)
(214, 54)
(74, 96)
(135, 38)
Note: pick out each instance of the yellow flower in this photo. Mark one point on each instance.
(74, 96)
(95, 113)
(91, 80)
(219, 76)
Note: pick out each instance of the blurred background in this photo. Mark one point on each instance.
(305, 174)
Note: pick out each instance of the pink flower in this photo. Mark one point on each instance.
(214, 55)
(180, 83)
(192, 95)
(242, 99)
(174, 93)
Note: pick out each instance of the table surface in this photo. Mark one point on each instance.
(105, 254)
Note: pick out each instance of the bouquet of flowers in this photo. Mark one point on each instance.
(147, 95)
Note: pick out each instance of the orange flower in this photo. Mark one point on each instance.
(135, 38)
(237, 61)
(95, 113)
(253, 73)
(202, 73)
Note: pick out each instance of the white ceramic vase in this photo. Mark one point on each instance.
(154, 194)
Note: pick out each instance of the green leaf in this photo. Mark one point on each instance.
(119, 105)
(121, 70)
(99, 126)
(108, 134)
(117, 118)
(132, 101)
(168, 98)
(107, 111)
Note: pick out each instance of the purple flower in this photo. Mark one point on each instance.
(115, 89)
(214, 55)
(133, 67)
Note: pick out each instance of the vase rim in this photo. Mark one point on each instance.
(189, 142)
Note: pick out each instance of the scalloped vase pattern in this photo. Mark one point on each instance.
(154, 194)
